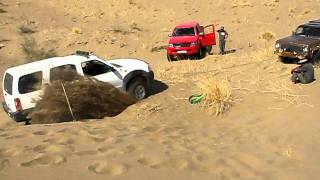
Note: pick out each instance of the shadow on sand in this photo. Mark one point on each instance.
(157, 87)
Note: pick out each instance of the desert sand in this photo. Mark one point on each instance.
(271, 132)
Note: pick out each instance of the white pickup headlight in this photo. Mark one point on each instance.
(277, 46)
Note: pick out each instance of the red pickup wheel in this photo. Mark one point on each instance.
(202, 53)
(170, 58)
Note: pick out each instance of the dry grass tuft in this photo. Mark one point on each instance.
(271, 3)
(267, 36)
(26, 30)
(3, 11)
(218, 94)
(118, 28)
(158, 48)
(33, 52)
(76, 30)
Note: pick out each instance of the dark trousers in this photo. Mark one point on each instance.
(222, 45)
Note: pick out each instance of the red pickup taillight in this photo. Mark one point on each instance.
(18, 104)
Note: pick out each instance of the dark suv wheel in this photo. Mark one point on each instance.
(138, 89)
(286, 60)
(316, 59)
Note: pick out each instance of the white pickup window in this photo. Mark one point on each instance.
(30, 82)
(8, 81)
(94, 68)
(56, 73)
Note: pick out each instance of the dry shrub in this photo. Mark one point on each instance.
(132, 2)
(118, 28)
(33, 52)
(89, 99)
(134, 27)
(76, 30)
(26, 30)
(271, 3)
(158, 48)
(3, 11)
(267, 36)
(218, 94)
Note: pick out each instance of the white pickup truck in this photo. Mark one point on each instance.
(22, 84)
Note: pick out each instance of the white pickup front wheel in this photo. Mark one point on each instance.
(138, 90)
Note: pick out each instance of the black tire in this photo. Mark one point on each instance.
(316, 59)
(170, 58)
(209, 50)
(138, 89)
(286, 60)
(201, 54)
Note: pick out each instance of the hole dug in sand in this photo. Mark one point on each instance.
(89, 99)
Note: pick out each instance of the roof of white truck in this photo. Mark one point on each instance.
(51, 62)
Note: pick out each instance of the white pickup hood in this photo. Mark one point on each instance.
(129, 65)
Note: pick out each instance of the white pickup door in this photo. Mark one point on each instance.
(102, 72)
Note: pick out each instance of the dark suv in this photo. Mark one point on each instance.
(303, 44)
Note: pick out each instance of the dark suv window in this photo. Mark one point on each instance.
(30, 82)
(56, 73)
(8, 83)
(94, 68)
(308, 31)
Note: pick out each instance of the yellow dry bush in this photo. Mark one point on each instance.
(267, 36)
(218, 94)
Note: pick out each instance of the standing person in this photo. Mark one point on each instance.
(223, 35)
(304, 73)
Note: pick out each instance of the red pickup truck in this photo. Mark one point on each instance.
(190, 40)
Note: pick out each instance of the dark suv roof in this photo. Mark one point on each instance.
(314, 23)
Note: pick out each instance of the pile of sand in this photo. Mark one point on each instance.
(89, 99)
